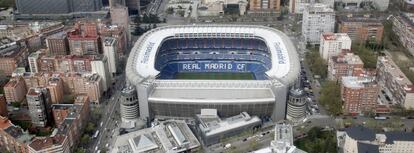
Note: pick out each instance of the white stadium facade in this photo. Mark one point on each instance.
(162, 55)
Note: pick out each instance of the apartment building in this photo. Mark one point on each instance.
(12, 137)
(345, 64)
(403, 27)
(38, 101)
(361, 28)
(317, 19)
(359, 94)
(331, 44)
(57, 44)
(260, 5)
(396, 88)
(11, 57)
(15, 90)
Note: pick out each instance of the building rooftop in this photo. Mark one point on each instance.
(59, 35)
(348, 58)
(40, 143)
(360, 133)
(318, 8)
(367, 148)
(358, 82)
(336, 36)
(394, 70)
(364, 18)
(109, 41)
(212, 124)
(167, 136)
(398, 136)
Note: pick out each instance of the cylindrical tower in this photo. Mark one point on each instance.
(129, 104)
(296, 107)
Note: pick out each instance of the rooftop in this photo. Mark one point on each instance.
(348, 58)
(59, 35)
(360, 133)
(394, 70)
(43, 143)
(157, 139)
(391, 137)
(336, 36)
(367, 148)
(358, 82)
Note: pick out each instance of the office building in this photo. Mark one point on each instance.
(396, 88)
(38, 101)
(57, 44)
(213, 129)
(121, 36)
(359, 94)
(296, 105)
(109, 50)
(166, 136)
(345, 64)
(359, 139)
(57, 6)
(361, 28)
(129, 104)
(317, 19)
(12, 137)
(403, 27)
(331, 44)
(15, 90)
(264, 5)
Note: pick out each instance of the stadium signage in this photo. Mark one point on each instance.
(147, 52)
(213, 66)
(280, 56)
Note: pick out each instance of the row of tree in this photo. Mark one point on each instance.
(316, 63)
(330, 97)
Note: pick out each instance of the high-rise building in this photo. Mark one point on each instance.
(55, 87)
(15, 90)
(331, 44)
(120, 16)
(359, 94)
(100, 66)
(57, 6)
(345, 64)
(109, 50)
(38, 101)
(258, 5)
(403, 27)
(121, 36)
(84, 39)
(298, 6)
(57, 44)
(361, 28)
(129, 104)
(12, 57)
(34, 60)
(317, 19)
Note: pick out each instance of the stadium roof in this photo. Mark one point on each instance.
(285, 63)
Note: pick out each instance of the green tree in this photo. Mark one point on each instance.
(316, 63)
(90, 128)
(169, 10)
(84, 140)
(253, 145)
(7, 3)
(368, 56)
(80, 150)
(331, 97)
(16, 104)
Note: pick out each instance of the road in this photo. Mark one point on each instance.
(108, 116)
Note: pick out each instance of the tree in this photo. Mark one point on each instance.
(7, 3)
(316, 63)
(331, 97)
(80, 150)
(169, 10)
(16, 104)
(368, 56)
(84, 140)
(90, 128)
(253, 145)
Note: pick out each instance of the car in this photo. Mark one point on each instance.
(245, 139)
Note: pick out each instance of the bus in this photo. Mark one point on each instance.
(96, 134)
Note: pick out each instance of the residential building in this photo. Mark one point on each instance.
(381, 5)
(166, 136)
(57, 6)
(38, 101)
(55, 87)
(298, 6)
(109, 50)
(331, 44)
(317, 19)
(15, 90)
(84, 39)
(12, 137)
(213, 129)
(70, 120)
(12, 56)
(65, 64)
(119, 16)
(359, 94)
(121, 36)
(403, 27)
(218, 7)
(408, 5)
(263, 5)
(3, 106)
(361, 28)
(100, 66)
(57, 44)
(34, 60)
(93, 87)
(345, 64)
(396, 88)
(358, 139)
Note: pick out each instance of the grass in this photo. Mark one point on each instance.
(214, 76)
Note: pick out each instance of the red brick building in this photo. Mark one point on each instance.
(345, 64)
(359, 94)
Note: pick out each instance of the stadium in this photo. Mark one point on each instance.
(179, 70)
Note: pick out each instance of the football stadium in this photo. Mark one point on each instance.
(179, 70)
